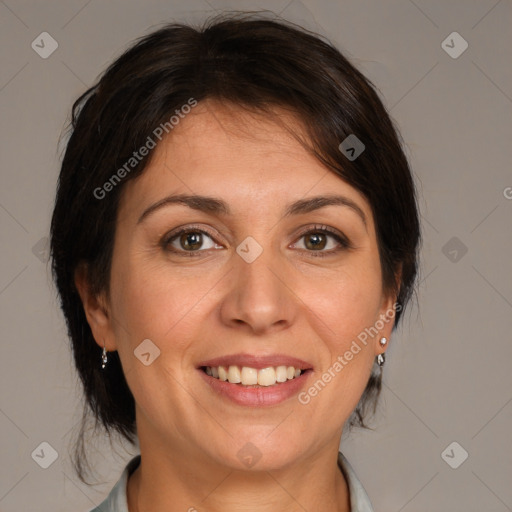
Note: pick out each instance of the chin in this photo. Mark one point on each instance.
(258, 452)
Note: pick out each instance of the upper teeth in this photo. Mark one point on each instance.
(249, 376)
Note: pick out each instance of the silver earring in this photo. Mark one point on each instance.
(381, 358)
(104, 358)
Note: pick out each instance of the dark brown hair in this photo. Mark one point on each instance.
(251, 62)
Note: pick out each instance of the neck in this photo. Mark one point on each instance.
(173, 480)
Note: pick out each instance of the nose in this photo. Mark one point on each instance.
(259, 297)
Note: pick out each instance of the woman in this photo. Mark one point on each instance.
(234, 239)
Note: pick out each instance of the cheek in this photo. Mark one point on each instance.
(150, 303)
(348, 302)
(347, 361)
(152, 300)
(345, 306)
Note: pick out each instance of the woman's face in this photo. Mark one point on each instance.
(257, 275)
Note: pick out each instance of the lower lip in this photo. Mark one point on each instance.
(257, 397)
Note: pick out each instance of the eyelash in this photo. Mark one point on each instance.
(341, 239)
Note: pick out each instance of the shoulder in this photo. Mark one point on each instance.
(116, 501)
(359, 499)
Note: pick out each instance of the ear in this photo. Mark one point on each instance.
(96, 310)
(387, 312)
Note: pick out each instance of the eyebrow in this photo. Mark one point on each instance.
(218, 206)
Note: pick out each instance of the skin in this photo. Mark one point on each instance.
(195, 308)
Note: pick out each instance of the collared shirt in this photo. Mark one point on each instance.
(117, 501)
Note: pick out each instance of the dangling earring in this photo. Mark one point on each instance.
(381, 358)
(104, 358)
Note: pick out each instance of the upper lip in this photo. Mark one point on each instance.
(257, 362)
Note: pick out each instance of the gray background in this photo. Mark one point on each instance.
(448, 375)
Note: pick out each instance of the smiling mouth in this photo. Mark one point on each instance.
(251, 377)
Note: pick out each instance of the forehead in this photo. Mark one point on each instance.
(248, 158)
(217, 136)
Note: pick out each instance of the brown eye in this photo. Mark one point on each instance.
(315, 241)
(191, 241)
(322, 241)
